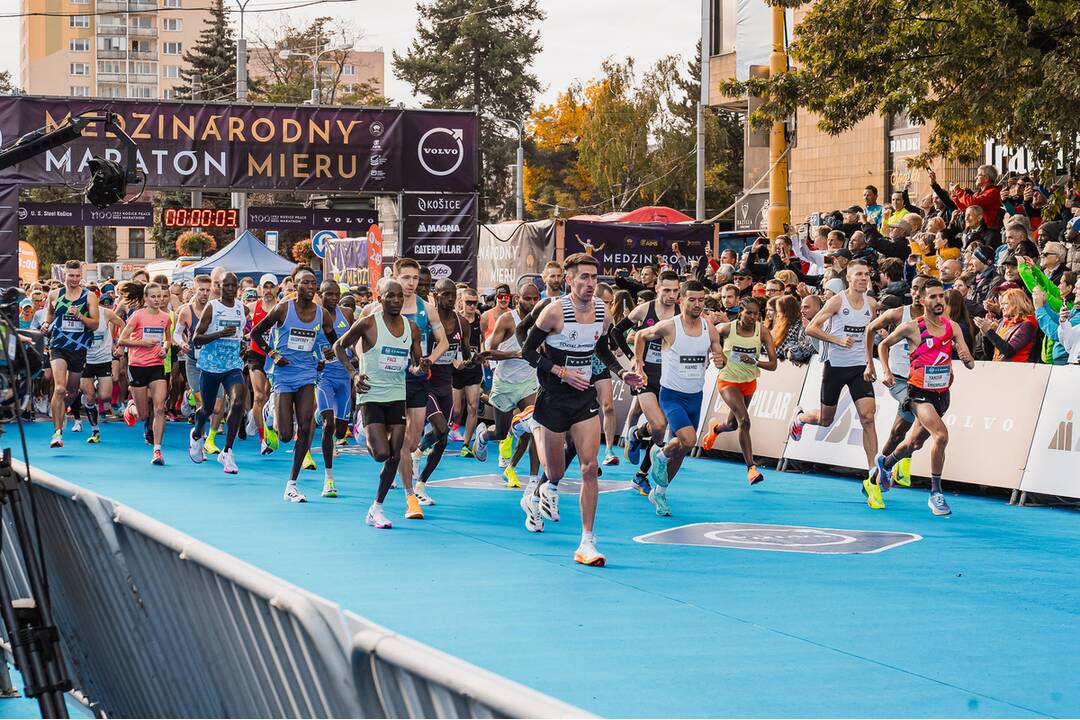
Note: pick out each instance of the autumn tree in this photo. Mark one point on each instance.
(554, 180)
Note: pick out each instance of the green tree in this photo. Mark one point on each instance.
(58, 243)
(992, 69)
(7, 85)
(212, 60)
(478, 53)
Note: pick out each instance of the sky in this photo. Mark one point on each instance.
(576, 36)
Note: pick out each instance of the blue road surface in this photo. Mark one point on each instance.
(977, 616)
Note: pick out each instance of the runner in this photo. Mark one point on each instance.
(257, 364)
(146, 336)
(741, 364)
(605, 391)
(570, 330)
(99, 368)
(841, 326)
(301, 329)
(220, 336)
(216, 277)
(334, 390)
(186, 320)
(467, 380)
(70, 322)
(488, 318)
(513, 386)
(932, 339)
(387, 342)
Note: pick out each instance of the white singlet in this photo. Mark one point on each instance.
(683, 362)
(848, 322)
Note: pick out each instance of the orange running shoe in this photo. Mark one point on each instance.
(709, 440)
(412, 508)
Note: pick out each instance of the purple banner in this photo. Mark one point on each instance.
(256, 147)
(625, 245)
(134, 215)
(347, 261)
(9, 233)
(440, 233)
(354, 222)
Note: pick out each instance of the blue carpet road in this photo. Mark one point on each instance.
(979, 618)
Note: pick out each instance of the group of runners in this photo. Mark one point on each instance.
(401, 372)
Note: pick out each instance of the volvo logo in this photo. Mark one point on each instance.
(441, 150)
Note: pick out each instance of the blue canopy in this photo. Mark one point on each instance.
(246, 256)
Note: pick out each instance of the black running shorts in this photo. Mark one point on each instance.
(416, 393)
(75, 359)
(918, 395)
(142, 376)
(558, 411)
(652, 381)
(98, 370)
(835, 379)
(465, 377)
(383, 413)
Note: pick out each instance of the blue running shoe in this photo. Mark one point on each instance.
(938, 506)
(633, 449)
(658, 471)
(644, 487)
(884, 476)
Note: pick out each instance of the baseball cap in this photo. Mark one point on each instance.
(26, 302)
(854, 210)
(836, 285)
(1010, 259)
(268, 278)
(842, 252)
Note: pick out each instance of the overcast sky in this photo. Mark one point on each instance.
(576, 36)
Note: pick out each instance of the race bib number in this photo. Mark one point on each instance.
(854, 331)
(71, 324)
(936, 377)
(392, 359)
(653, 353)
(692, 367)
(99, 339)
(449, 356)
(301, 340)
(157, 334)
(744, 356)
(581, 363)
(231, 324)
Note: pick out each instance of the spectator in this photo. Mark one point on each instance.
(1013, 337)
(678, 260)
(1069, 332)
(713, 263)
(861, 250)
(963, 284)
(1015, 233)
(957, 310)
(986, 279)
(783, 256)
(975, 229)
(872, 211)
(987, 195)
(729, 301)
(1054, 350)
(809, 307)
(895, 212)
(1053, 257)
(950, 274)
(744, 282)
(788, 334)
(834, 286)
(728, 257)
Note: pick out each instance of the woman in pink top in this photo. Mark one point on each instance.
(147, 337)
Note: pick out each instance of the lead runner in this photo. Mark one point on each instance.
(571, 330)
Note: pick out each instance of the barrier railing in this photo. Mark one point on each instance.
(157, 624)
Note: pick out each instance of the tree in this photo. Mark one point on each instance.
(996, 69)
(58, 243)
(7, 85)
(553, 177)
(212, 61)
(478, 53)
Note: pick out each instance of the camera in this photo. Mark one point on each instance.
(21, 363)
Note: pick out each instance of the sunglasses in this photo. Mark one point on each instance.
(472, 302)
(502, 296)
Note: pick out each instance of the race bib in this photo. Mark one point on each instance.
(936, 377)
(581, 363)
(157, 334)
(71, 324)
(99, 339)
(234, 324)
(448, 357)
(653, 353)
(692, 367)
(855, 331)
(301, 340)
(744, 356)
(393, 359)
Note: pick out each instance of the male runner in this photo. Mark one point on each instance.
(302, 327)
(605, 391)
(387, 343)
(99, 368)
(220, 336)
(257, 364)
(553, 280)
(570, 330)
(841, 326)
(741, 364)
(932, 339)
(186, 320)
(334, 391)
(467, 379)
(687, 340)
(70, 322)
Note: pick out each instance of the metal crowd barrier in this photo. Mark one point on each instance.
(157, 624)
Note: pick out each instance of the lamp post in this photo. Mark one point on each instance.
(316, 89)
(520, 170)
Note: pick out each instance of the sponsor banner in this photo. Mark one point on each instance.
(626, 245)
(9, 232)
(375, 257)
(509, 250)
(770, 410)
(352, 222)
(28, 262)
(351, 260)
(256, 147)
(440, 234)
(1053, 464)
(133, 215)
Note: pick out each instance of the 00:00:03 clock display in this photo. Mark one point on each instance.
(200, 217)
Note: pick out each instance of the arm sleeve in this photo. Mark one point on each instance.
(178, 333)
(619, 339)
(531, 351)
(522, 331)
(907, 204)
(603, 351)
(943, 196)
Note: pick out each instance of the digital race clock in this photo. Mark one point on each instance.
(199, 218)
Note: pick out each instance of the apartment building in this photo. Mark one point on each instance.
(357, 68)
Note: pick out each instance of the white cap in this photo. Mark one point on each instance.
(836, 286)
(268, 278)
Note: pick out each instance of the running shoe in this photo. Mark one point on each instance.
(611, 458)
(633, 449)
(522, 423)
(658, 471)
(587, 554)
(209, 444)
(293, 494)
(420, 490)
(252, 426)
(228, 462)
(455, 434)
(534, 521)
(195, 448)
(157, 458)
(479, 442)
(131, 414)
(506, 450)
(641, 482)
(938, 506)
(264, 449)
(872, 491)
(41, 405)
(268, 413)
(796, 428)
(511, 478)
(76, 426)
(270, 437)
(466, 452)
(412, 508)
(95, 437)
(329, 490)
(309, 462)
(57, 439)
(148, 434)
(885, 477)
(342, 442)
(376, 519)
(709, 440)
(658, 497)
(753, 475)
(549, 502)
(902, 473)
(417, 458)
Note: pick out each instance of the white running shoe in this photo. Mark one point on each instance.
(268, 411)
(549, 502)
(479, 442)
(504, 462)
(76, 426)
(531, 505)
(421, 494)
(252, 426)
(587, 554)
(41, 405)
(196, 451)
(293, 494)
(264, 449)
(376, 519)
(228, 462)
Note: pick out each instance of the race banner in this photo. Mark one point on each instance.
(351, 222)
(254, 147)
(1053, 465)
(440, 233)
(624, 246)
(511, 249)
(355, 260)
(131, 215)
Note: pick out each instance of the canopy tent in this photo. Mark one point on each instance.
(246, 256)
(649, 214)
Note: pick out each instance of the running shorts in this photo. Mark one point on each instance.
(255, 362)
(747, 388)
(917, 395)
(440, 400)
(193, 374)
(416, 392)
(98, 370)
(652, 381)
(466, 377)
(383, 413)
(835, 379)
(682, 409)
(558, 411)
(334, 392)
(505, 396)
(899, 391)
(75, 359)
(143, 375)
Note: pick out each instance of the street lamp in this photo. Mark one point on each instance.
(316, 90)
(520, 199)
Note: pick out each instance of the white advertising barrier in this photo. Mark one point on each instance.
(1053, 465)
